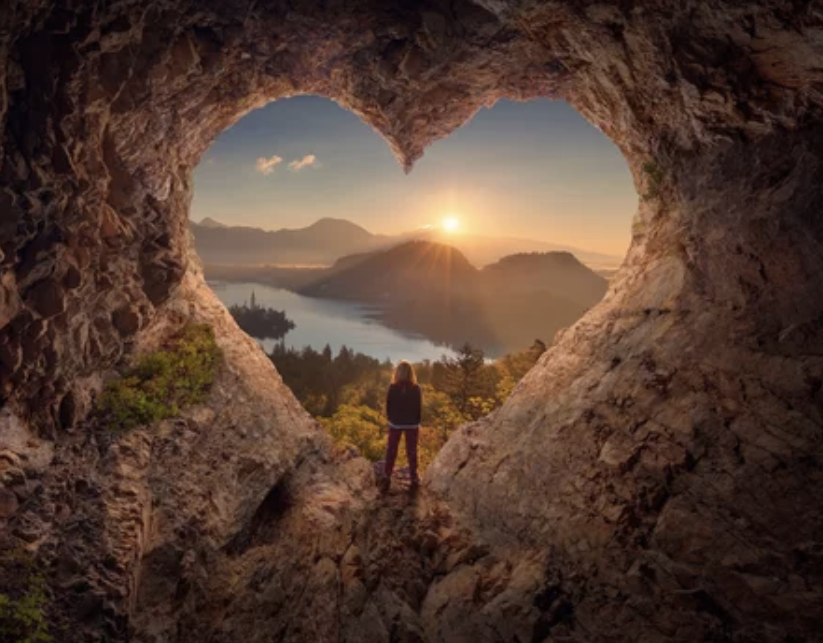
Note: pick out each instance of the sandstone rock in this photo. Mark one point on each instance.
(8, 503)
(9, 459)
(12, 476)
(73, 278)
(126, 320)
(618, 451)
(47, 298)
(11, 357)
(9, 299)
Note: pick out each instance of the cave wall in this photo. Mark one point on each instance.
(637, 479)
(669, 442)
(106, 112)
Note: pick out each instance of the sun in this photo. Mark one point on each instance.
(451, 224)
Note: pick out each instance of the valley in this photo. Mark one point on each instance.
(652, 476)
(326, 240)
(431, 290)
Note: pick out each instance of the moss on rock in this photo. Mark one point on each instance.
(23, 601)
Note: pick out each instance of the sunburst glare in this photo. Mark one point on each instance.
(451, 224)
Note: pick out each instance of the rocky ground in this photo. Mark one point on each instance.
(240, 520)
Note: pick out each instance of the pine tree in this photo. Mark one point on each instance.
(461, 375)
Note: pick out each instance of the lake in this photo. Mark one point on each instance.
(326, 321)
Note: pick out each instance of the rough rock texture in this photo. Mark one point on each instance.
(655, 478)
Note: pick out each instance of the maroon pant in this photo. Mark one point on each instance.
(411, 450)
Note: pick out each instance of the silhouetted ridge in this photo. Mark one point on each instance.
(529, 259)
(330, 239)
(558, 273)
(432, 289)
(320, 243)
(208, 222)
(330, 224)
(412, 270)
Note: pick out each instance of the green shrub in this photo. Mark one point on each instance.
(23, 603)
(164, 382)
(367, 431)
(360, 427)
(654, 180)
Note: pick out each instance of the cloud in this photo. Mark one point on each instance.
(310, 160)
(266, 165)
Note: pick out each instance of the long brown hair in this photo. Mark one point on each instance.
(404, 374)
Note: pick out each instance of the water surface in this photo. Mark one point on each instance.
(336, 323)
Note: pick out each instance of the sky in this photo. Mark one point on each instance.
(535, 170)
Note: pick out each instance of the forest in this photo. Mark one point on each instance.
(346, 391)
(259, 321)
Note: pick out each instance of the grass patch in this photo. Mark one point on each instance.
(164, 382)
(23, 602)
(654, 180)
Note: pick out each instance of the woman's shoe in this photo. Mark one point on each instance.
(383, 484)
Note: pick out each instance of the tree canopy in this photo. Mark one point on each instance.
(347, 392)
(261, 322)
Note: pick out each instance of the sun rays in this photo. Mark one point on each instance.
(450, 224)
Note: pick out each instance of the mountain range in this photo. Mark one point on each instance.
(415, 283)
(329, 239)
(321, 243)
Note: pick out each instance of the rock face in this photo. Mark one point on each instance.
(655, 478)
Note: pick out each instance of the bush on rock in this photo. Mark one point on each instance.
(163, 382)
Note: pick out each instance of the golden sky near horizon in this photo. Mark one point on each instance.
(533, 170)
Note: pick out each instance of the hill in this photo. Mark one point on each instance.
(483, 250)
(409, 271)
(560, 274)
(432, 289)
(327, 240)
(320, 243)
(418, 287)
(208, 222)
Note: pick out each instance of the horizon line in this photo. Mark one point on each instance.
(559, 246)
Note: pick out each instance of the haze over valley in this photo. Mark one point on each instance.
(328, 239)
(421, 286)
(504, 232)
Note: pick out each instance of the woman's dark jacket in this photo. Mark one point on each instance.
(403, 405)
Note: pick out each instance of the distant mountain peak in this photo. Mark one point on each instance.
(208, 222)
(336, 224)
(536, 261)
(552, 257)
(424, 245)
(329, 239)
(408, 270)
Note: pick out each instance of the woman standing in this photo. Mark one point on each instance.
(403, 409)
